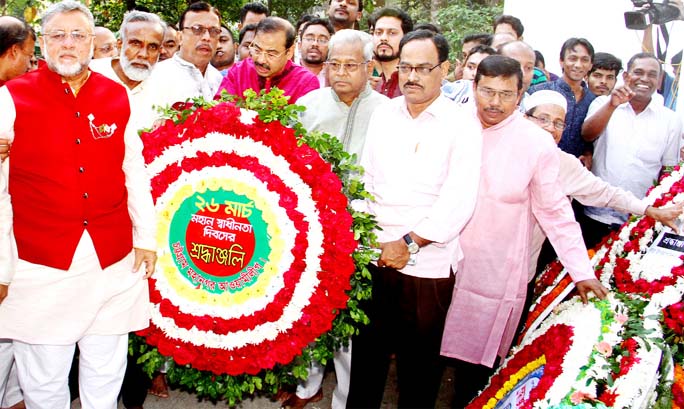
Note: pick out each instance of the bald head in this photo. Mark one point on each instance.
(524, 54)
(105, 43)
(13, 31)
(17, 41)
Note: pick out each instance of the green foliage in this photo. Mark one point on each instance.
(463, 17)
(293, 10)
(273, 106)
(110, 13)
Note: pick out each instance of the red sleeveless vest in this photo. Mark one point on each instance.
(66, 171)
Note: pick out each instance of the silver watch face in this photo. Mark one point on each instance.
(413, 248)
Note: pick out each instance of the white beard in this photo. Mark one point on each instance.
(67, 70)
(133, 73)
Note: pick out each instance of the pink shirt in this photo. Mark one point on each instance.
(518, 183)
(294, 80)
(423, 173)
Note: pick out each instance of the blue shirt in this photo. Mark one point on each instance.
(571, 141)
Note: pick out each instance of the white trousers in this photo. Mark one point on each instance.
(44, 372)
(312, 384)
(13, 393)
(10, 394)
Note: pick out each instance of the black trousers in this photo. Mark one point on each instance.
(406, 318)
(469, 380)
(595, 231)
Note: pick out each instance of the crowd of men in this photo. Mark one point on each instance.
(471, 168)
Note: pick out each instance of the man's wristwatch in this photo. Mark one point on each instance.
(413, 247)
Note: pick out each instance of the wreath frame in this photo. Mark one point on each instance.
(270, 107)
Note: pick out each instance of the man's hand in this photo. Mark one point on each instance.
(666, 215)
(592, 285)
(621, 94)
(145, 256)
(374, 81)
(394, 254)
(4, 148)
(3, 292)
(587, 159)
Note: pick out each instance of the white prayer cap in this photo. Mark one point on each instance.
(544, 97)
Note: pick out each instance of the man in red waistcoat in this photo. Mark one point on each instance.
(83, 221)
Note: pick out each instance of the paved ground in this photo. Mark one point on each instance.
(183, 400)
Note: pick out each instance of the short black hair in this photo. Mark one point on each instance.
(256, 8)
(277, 24)
(305, 18)
(198, 7)
(438, 40)
(316, 21)
(428, 26)
(499, 66)
(244, 30)
(11, 34)
(539, 58)
(573, 42)
(360, 4)
(512, 21)
(232, 35)
(606, 61)
(641, 56)
(481, 48)
(482, 38)
(406, 21)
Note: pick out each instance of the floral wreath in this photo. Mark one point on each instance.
(641, 327)
(258, 253)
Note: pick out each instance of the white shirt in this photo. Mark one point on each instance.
(7, 245)
(325, 112)
(176, 80)
(424, 174)
(140, 97)
(632, 149)
(140, 204)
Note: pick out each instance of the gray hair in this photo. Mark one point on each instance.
(347, 36)
(66, 6)
(134, 16)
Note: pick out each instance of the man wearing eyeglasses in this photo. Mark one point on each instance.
(188, 73)
(105, 43)
(342, 110)
(547, 108)
(82, 216)
(421, 159)
(313, 47)
(518, 184)
(270, 64)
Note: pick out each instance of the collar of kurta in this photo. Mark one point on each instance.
(57, 81)
(516, 115)
(267, 83)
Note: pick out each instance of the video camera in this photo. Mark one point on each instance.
(650, 13)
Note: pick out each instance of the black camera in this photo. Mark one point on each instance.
(650, 13)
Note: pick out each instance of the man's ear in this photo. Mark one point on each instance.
(445, 68)
(41, 43)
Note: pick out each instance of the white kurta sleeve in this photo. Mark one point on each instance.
(140, 204)
(7, 248)
(554, 213)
